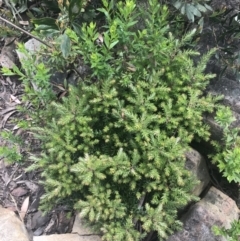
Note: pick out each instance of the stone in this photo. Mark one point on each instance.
(197, 165)
(12, 229)
(67, 237)
(215, 208)
(79, 233)
(80, 227)
(230, 90)
(32, 46)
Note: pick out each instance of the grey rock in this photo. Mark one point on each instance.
(80, 227)
(230, 90)
(197, 165)
(67, 237)
(12, 229)
(215, 208)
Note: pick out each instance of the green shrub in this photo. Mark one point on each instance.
(227, 158)
(227, 155)
(10, 147)
(114, 148)
(115, 145)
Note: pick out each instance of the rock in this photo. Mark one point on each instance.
(230, 90)
(7, 57)
(197, 165)
(215, 208)
(11, 227)
(39, 220)
(80, 227)
(32, 46)
(67, 237)
(79, 233)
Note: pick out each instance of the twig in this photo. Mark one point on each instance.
(14, 10)
(16, 207)
(24, 31)
(11, 177)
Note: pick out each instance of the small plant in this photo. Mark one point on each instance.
(232, 234)
(228, 154)
(35, 78)
(10, 148)
(193, 9)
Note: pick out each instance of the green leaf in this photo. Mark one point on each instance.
(65, 45)
(107, 40)
(113, 44)
(72, 35)
(131, 23)
(105, 12)
(208, 7)
(177, 4)
(201, 8)
(74, 9)
(50, 22)
(183, 9)
(201, 23)
(196, 12)
(190, 12)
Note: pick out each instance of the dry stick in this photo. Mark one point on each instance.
(16, 207)
(24, 31)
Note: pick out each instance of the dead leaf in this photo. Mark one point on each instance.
(19, 191)
(6, 117)
(39, 220)
(24, 208)
(50, 224)
(16, 127)
(63, 222)
(32, 186)
(100, 38)
(38, 231)
(24, 23)
(15, 99)
(131, 67)
(62, 94)
(3, 112)
(9, 81)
